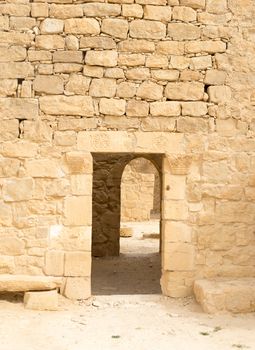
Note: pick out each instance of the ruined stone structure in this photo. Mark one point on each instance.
(87, 86)
(140, 191)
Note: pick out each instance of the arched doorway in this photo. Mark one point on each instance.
(126, 265)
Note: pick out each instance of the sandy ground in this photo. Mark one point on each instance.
(123, 315)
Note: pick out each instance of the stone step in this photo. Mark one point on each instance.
(226, 295)
(24, 283)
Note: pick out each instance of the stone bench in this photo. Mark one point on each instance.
(25, 283)
(226, 295)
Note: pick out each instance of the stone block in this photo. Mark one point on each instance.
(192, 125)
(49, 42)
(216, 6)
(14, 54)
(72, 42)
(67, 68)
(43, 168)
(184, 14)
(11, 246)
(52, 84)
(158, 13)
(97, 42)
(101, 9)
(65, 11)
(93, 71)
(77, 211)
(13, 70)
(115, 27)
(52, 26)
(103, 87)
(138, 73)
(8, 87)
(165, 74)
(219, 94)
(223, 295)
(85, 26)
(186, 91)
(150, 90)
(174, 186)
(165, 109)
(39, 55)
(54, 263)
(126, 90)
(106, 58)
(39, 10)
(136, 46)
(4, 22)
(131, 60)
(77, 264)
(126, 232)
(81, 184)
(68, 56)
(23, 283)
(77, 288)
(16, 190)
(15, 38)
(67, 105)
(137, 108)
(157, 61)
(25, 108)
(183, 31)
(170, 48)
(194, 109)
(77, 84)
(12, 9)
(196, 4)
(145, 29)
(175, 210)
(178, 257)
(132, 10)
(112, 106)
(79, 162)
(44, 301)
(208, 46)
(215, 77)
(174, 231)
(201, 62)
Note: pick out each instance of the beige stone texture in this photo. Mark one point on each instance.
(77, 288)
(39, 10)
(165, 109)
(163, 74)
(112, 106)
(77, 84)
(85, 26)
(101, 9)
(142, 29)
(184, 14)
(78, 162)
(219, 94)
(215, 77)
(63, 105)
(158, 13)
(68, 56)
(15, 190)
(132, 10)
(45, 301)
(77, 211)
(52, 85)
(8, 87)
(65, 11)
(115, 27)
(138, 73)
(194, 109)
(103, 87)
(97, 42)
(126, 90)
(43, 168)
(107, 58)
(205, 46)
(196, 4)
(24, 283)
(183, 31)
(131, 60)
(188, 91)
(137, 108)
(52, 26)
(201, 62)
(16, 70)
(149, 90)
(138, 46)
(77, 264)
(157, 61)
(54, 263)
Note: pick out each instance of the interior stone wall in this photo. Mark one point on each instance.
(140, 191)
(173, 77)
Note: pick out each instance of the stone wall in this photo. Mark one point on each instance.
(140, 191)
(143, 76)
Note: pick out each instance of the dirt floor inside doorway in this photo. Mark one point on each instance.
(137, 270)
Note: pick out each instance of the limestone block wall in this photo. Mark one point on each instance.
(169, 77)
(140, 191)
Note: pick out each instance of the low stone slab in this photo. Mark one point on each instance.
(225, 295)
(24, 283)
(47, 301)
(126, 232)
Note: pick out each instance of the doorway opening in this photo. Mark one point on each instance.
(126, 223)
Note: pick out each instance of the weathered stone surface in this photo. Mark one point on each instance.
(196, 4)
(142, 29)
(16, 70)
(184, 91)
(115, 27)
(63, 105)
(134, 45)
(79, 162)
(132, 60)
(149, 90)
(126, 90)
(163, 74)
(15, 38)
(105, 58)
(52, 26)
(132, 10)
(23, 283)
(185, 14)
(158, 13)
(215, 77)
(77, 211)
(8, 87)
(112, 106)
(97, 42)
(77, 264)
(205, 46)
(65, 11)
(46, 301)
(39, 10)
(11, 108)
(226, 295)
(219, 94)
(165, 109)
(137, 108)
(170, 48)
(68, 56)
(77, 288)
(101, 9)
(11, 246)
(183, 31)
(194, 109)
(49, 42)
(77, 84)
(54, 263)
(89, 26)
(14, 53)
(43, 168)
(48, 84)
(103, 87)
